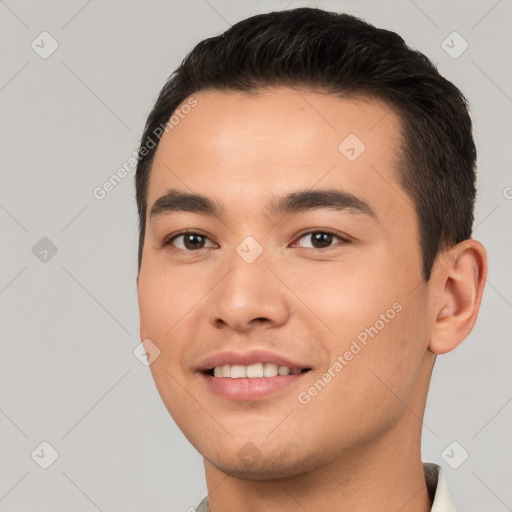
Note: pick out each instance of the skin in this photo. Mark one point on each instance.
(356, 444)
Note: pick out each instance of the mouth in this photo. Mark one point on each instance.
(252, 375)
(252, 383)
(253, 371)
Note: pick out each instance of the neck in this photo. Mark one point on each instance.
(385, 475)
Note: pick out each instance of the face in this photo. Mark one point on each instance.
(291, 313)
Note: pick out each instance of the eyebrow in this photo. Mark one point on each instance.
(295, 202)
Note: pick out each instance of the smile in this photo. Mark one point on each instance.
(253, 371)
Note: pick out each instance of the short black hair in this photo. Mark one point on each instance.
(339, 54)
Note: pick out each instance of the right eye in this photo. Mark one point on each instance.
(189, 241)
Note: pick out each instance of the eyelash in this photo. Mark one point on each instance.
(169, 240)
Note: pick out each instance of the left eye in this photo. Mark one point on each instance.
(319, 239)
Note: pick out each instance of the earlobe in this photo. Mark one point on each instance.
(461, 274)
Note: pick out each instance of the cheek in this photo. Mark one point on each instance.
(371, 384)
(165, 297)
(346, 296)
(374, 328)
(164, 303)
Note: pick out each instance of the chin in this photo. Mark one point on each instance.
(262, 466)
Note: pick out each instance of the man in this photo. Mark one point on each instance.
(305, 254)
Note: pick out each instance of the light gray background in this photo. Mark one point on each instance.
(69, 325)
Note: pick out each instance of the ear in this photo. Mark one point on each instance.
(458, 280)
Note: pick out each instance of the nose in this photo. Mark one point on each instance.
(249, 295)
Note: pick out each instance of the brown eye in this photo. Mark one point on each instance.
(190, 241)
(319, 240)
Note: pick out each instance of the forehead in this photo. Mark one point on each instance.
(244, 147)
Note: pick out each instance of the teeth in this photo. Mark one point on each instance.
(270, 370)
(283, 370)
(253, 371)
(238, 371)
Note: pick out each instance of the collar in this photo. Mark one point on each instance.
(436, 484)
(438, 489)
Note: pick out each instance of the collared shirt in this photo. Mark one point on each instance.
(436, 485)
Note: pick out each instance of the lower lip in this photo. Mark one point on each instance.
(250, 389)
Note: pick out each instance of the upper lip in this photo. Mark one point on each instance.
(247, 358)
